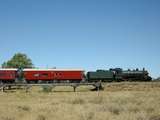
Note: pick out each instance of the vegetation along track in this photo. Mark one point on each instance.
(118, 101)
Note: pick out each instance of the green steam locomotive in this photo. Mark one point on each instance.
(118, 75)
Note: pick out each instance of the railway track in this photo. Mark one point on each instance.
(97, 85)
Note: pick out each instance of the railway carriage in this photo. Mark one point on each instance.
(8, 75)
(53, 75)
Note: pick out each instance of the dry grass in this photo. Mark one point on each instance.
(119, 101)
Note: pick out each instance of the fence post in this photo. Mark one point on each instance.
(3, 88)
(74, 88)
(27, 88)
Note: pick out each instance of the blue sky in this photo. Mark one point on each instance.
(89, 34)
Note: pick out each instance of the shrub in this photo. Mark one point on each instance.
(41, 117)
(24, 108)
(47, 88)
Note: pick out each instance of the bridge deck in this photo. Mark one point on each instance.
(97, 85)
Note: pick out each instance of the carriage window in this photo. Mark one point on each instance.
(44, 75)
(60, 74)
(56, 74)
(36, 75)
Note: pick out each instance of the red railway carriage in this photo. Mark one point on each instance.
(7, 75)
(53, 74)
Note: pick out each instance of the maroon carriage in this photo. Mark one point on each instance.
(53, 75)
(7, 75)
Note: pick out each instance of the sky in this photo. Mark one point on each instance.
(88, 34)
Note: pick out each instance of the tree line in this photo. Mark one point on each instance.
(19, 60)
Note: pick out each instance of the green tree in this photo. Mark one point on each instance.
(19, 60)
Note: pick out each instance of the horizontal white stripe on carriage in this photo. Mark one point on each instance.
(53, 69)
(8, 69)
(14, 69)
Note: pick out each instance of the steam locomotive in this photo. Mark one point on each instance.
(71, 75)
(118, 75)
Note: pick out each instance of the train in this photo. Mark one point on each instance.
(19, 75)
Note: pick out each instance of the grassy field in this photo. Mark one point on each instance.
(118, 101)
